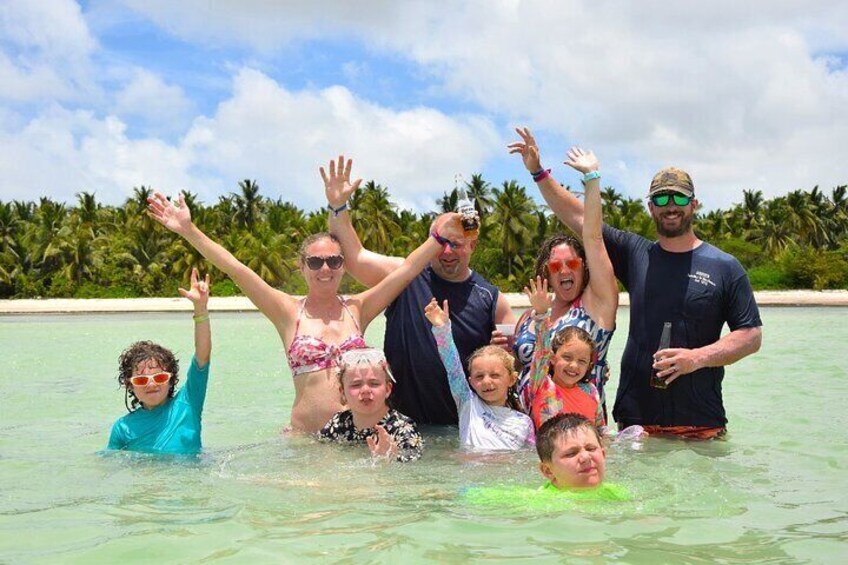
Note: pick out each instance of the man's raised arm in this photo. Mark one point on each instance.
(367, 267)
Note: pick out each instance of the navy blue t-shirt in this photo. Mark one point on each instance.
(697, 291)
(422, 390)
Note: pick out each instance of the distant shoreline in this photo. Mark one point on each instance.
(242, 304)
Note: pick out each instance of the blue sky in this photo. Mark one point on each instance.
(199, 94)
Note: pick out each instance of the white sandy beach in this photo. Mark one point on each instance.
(242, 304)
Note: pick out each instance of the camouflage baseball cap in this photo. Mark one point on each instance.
(672, 179)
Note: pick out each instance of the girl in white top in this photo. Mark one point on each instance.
(488, 415)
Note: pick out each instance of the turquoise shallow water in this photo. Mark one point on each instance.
(775, 491)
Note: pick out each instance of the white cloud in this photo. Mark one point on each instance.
(47, 47)
(744, 95)
(62, 152)
(163, 108)
(263, 132)
(741, 92)
(280, 138)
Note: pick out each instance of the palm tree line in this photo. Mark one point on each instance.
(51, 249)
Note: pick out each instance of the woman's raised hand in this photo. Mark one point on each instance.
(337, 184)
(437, 316)
(528, 150)
(538, 295)
(583, 161)
(176, 218)
(198, 293)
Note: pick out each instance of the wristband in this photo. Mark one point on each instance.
(442, 240)
(539, 172)
(538, 317)
(541, 175)
(200, 318)
(337, 211)
(591, 175)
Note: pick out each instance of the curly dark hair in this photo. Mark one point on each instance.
(569, 333)
(559, 426)
(544, 256)
(135, 354)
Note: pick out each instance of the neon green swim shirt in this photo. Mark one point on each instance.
(546, 497)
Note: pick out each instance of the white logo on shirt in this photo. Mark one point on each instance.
(701, 277)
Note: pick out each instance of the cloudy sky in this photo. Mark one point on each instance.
(103, 96)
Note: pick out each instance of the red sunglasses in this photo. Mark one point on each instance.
(144, 380)
(555, 265)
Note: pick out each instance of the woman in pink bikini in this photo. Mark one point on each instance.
(315, 330)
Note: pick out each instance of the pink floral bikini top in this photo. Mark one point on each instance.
(308, 353)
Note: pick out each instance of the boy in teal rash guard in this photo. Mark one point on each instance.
(159, 420)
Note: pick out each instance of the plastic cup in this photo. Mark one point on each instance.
(507, 330)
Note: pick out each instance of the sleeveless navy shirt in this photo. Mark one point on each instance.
(422, 390)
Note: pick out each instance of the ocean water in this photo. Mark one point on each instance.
(776, 490)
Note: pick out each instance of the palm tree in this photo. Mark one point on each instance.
(448, 201)
(752, 208)
(269, 255)
(481, 194)
(249, 205)
(375, 218)
(514, 214)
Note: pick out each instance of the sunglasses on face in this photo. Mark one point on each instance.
(663, 199)
(315, 263)
(555, 265)
(144, 380)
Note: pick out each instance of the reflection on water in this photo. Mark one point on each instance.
(774, 490)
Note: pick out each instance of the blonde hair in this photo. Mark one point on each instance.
(508, 362)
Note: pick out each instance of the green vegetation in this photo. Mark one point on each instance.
(50, 249)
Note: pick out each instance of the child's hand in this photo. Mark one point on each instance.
(177, 219)
(583, 161)
(538, 295)
(528, 150)
(337, 185)
(437, 316)
(199, 291)
(382, 444)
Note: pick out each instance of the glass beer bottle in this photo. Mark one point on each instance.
(665, 342)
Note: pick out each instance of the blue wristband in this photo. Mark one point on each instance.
(337, 211)
(591, 175)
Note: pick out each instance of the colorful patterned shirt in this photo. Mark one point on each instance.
(544, 398)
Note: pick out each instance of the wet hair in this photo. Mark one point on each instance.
(508, 362)
(314, 238)
(135, 354)
(571, 333)
(544, 256)
(561, 425)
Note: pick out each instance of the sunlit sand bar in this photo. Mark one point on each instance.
(242, 304)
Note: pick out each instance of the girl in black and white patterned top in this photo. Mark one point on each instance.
(366, 383)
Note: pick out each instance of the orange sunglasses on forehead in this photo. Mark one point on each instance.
(144, 380)
(555, 265)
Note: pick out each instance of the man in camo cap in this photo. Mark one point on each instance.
(687, 282)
